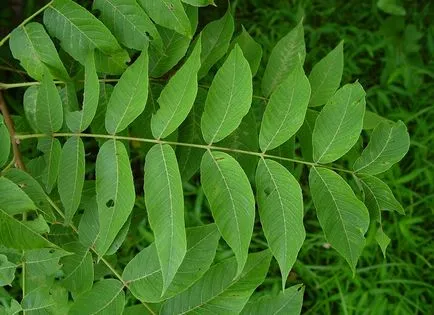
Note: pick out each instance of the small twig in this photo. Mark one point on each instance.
(10, 125)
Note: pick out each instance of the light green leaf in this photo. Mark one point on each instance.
(37, 302)
(97, 125)
(114, 64)
(168, 13)
(251, 49)
(32, 189)
(106, 297)
(68, 95)
(79, 120)
(285, 110)
(221, 290)
(15, 234)
(281, 210)
(38, 224)
(128, 22)
(5, 142)
(32, 46)
(29, 105)
(305, 135)
(388, 145)
(383, 240)
(343, 218)
(77, 268)
(216, 37)
(140, 309)
(7, 271)
(233, 204)
(129, 96)
(12, 309)
(378, 197)
(288, 302)
(120, 238)
(391, 7)
(229, 98)
(285, 55)
(371, 120)
(165, 205)
(143, 272)
(326, 76)
(89, 223)
(80, 32)
(12, 199)
(115, 192)
(71, 176)
(52, 150)
(177, 97)
(49, 109)
(339, 124)
(199, 3)
(189, 132)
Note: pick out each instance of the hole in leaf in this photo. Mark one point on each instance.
(51, 251)
(110, 203)
(149, 36)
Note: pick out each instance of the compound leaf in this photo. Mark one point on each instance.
(177, 97)
(339, 124)
(129, 96)
(232, 204)
(284, 57)
(222, 290)
(343, 218)
(32, 46)
(165, 205)
(285, 111)
(326, 76)
(71, 176)
(388, 145)
(281, 210)
(106, 297)
(229, 98)
(115, 192)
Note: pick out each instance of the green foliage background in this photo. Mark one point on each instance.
(392, 56)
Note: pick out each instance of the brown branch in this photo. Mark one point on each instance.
(10, 125)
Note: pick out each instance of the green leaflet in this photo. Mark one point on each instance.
(12, 309)
(286, 110)
(7, 271)
(52, 150)
(170, 14)
(143, 272)
(388, 145)
(71, 176)
(106, 297)
(343, 218)
(177, 97)
(281, 210)
(189, 132)
(284, 57)
(382, 240)
(128, 22)
(288, 302)
(120, 238)
(216, 37)
(371, 120)
(88, 227)
(16, 234)
(30, 104)
(140, 309)
(129, 96)
(32, 189)
(49, 109)
(79, 120)
(305, 135)
(38, 301)
(233, 205)
(229, 98)
(80, 32)
(114, 64)
(12, 199)
(165, 205)
(326, 76)
(5, 142)
(115, 192)
(222, 290)
(41, 266)
(251, 49)
(199, 3)
(32, 46)
(77, 268)
(378, 197)
(68, 95)
(97, 126)
(339, 124)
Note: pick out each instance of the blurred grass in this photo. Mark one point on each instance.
(392, 56)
